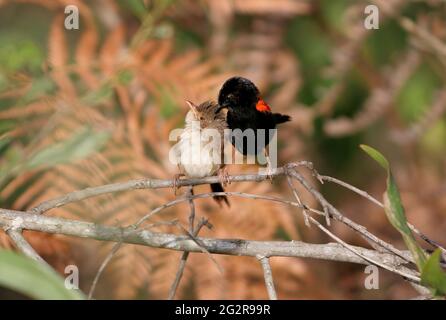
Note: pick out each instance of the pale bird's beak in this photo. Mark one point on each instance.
(220, 108)
(193, 107)
(225, 105)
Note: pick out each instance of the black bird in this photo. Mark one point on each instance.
(247, 110)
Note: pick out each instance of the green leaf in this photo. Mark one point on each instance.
(78, 146)
(376, 155)
(394, 209)
(433, 276)
(33, 279)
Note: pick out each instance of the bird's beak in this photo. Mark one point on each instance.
(220, 108)
(225, 105)
(193, 107)
(228, 102)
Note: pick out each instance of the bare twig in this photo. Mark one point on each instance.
(268, 275)
(237, 247)
(392, 260)
(143, 184)
(362, 231)
(190, 193)
(324, 203)
(202, 247)
(104, 264)
(408, 274)
(296, 195)
(183, 259)
(112, 253)
(378, 203)
(23, 245)
(352, 188)
(118, 245)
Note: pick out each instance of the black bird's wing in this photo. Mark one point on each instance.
(281, 118)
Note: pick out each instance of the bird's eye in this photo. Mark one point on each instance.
(201, 118)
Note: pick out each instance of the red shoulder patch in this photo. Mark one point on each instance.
(262, 106)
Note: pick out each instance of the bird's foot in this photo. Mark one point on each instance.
(176, 179)
(224, 177)
(269, 169)
(269, 173)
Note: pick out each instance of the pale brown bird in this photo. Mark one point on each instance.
(200, 150)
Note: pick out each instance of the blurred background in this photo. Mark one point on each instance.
(92, 106)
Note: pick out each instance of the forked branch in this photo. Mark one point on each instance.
(384, 254)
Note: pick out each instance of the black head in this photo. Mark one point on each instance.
(238, 92)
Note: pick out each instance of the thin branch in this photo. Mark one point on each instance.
(238, 247)
(202, 247)
(392, 260)
(145, 184)
(160, 240)
(112, 253)
(411, 275)
(23, 245)
(353, 225)
(156, 183)
(189, 198)
(138, 184)
(299, 201)
(189, 194)
(378, 203)
(352, 188)
(104, 264)
(183, 260)
(268, 275)
(407, 273)
(185, 255)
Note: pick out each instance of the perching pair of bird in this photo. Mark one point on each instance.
(245, 110)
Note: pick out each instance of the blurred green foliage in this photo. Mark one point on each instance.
(80, 145)
(418, 94)
(433, 276)
(35, 280)
(431, 273)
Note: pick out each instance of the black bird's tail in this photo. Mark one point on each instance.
(281, 118)
(217, 187)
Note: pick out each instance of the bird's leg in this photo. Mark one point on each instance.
(224, 176)
(176, 178)
(269, 169)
